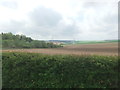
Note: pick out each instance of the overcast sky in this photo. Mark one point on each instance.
(60, 19)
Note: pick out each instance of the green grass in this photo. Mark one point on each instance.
(30, 70)
(92, 42)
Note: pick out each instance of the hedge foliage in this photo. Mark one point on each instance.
(30, 70)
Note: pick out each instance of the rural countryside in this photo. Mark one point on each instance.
(59, 44)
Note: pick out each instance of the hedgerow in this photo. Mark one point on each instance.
(30, 70)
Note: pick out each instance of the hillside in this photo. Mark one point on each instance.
(70, 42)
(21, 41)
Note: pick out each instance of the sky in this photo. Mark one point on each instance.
(60, 19)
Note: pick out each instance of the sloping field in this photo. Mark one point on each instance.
(86, 49)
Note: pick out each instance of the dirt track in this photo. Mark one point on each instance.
(88, 49)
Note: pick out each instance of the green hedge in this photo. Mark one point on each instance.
(28, 70)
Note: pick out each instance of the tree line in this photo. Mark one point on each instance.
(10, 40)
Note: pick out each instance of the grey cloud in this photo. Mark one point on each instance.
(59, 32)
(9, 4)
(40, 32)
(102, 24)
(45, 23)
(45, 17)
(108, 23)
(20, 27)
(69, 31)
(111, 18)
(13, 26)
(93, 4)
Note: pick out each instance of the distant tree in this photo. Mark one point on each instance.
(21, 41)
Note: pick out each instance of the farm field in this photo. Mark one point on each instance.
(59, 44)
(78, 66)
(110, 49)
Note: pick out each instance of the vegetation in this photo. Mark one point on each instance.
(21, 41)
(89, 42)
(95, 42)
(30, 70)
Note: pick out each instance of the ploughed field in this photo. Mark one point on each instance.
(77, 49)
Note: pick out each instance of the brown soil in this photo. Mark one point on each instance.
(83, 49)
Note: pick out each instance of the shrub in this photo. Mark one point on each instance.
(28, 70)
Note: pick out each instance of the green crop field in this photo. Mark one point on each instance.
(91, 42)
(32, 70)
